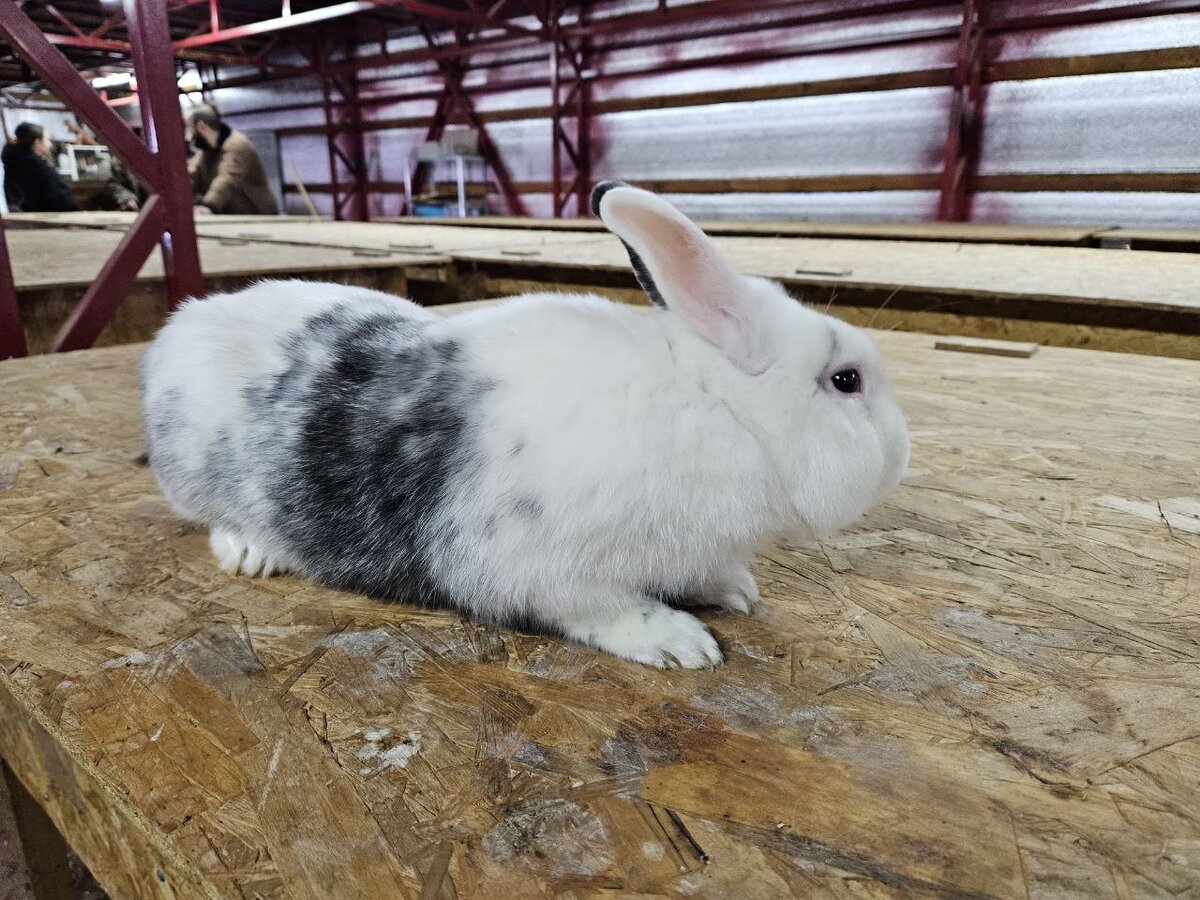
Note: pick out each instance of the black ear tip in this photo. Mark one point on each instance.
(600, 190)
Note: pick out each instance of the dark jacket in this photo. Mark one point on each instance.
(230, 178)
(32, 184)
(121, 187)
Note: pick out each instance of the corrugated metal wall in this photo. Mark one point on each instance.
(1138, 122)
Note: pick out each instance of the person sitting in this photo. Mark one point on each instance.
(227, 175)
(123, 190)
(31, 182)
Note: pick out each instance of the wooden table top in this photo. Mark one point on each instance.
(988, 688)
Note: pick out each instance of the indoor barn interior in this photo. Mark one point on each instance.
(473, 449)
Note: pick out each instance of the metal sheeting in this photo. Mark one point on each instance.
(1129, 122)
(884, 132)
(1126, 122)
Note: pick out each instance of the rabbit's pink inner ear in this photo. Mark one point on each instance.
(688, 272)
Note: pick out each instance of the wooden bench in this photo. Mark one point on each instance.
(988, 688)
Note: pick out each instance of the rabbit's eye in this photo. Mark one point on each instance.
(848, 381)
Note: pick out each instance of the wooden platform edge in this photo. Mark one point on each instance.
(128, 856)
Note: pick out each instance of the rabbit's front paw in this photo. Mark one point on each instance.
(735, 589)
(651, 633)
(236, 555)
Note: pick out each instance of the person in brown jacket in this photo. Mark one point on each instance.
(227, 175)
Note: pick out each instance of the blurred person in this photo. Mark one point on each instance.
(122, 190)
(227, 175)
(31, 181)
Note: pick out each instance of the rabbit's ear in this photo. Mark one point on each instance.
(680, 268)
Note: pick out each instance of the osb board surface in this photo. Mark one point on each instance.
(55, 258)
(930, 231)
(989, 687)
(1148, 280)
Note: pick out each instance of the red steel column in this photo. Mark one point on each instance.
(162, 125)
(12, 332)
(569, 100)
(343, 135)
(960, 160)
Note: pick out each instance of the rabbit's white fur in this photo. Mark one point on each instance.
(617, 455)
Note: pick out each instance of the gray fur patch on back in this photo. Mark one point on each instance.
(366, 430)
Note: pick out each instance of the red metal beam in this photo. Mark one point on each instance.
(12, 332)
(344, 137)
(162, 126)
(960, 160)
(569, 103)
(280, 23)
(477, 19)
(70, 26)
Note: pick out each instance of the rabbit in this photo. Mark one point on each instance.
(556, 462)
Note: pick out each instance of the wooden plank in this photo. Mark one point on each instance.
(1094, 64)
(420, 240)
(988, 348)
(1175, 182)
(989, 687)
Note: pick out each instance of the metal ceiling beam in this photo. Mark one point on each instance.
(350, 8)
(108, 45)
(477, 18)
(86, 42)
(280, 23)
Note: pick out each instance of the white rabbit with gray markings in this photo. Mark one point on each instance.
(557, 462)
